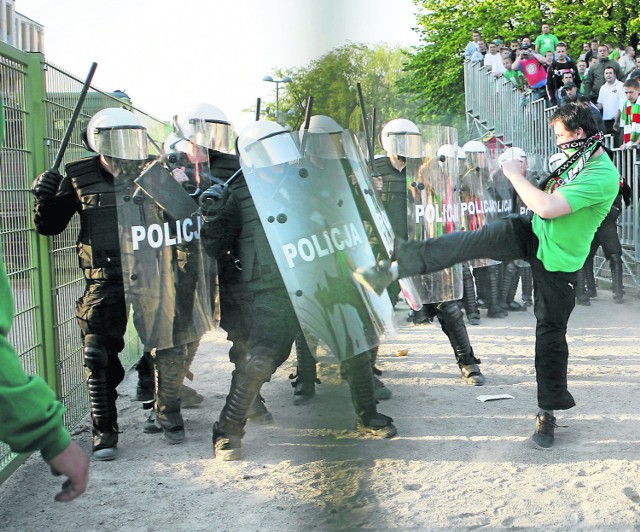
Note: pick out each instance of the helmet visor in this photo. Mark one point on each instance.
(122, 142)
(404, 144)
(211, 134)
(324, 145)
(274, 149)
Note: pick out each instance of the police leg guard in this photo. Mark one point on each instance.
(146, 380)
(190, 397)
(450, 318)
(581, 289)
(469, 297)
(527, 286)
(306, 376)
(510, 301)
(357, 371)
(590, 278)
(494, 310)
(169, 365)
(246, 381)
(615, 261)
(104, 415)
(381, 392)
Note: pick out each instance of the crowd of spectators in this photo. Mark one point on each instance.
(601, 76)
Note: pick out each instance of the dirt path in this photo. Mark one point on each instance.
(457, 463)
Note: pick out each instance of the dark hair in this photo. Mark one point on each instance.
(561, 44)
(634, 83)
(573, 116)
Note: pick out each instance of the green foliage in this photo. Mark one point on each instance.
(332, 81)
(435, 72)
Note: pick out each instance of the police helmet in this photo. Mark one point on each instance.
(556, 160)
(205, 125)
(323, 138)
(174, 144)
(474, 146)
(265, 143)
(117, 133)
(512, 153)
(401, 137)
(450, 151)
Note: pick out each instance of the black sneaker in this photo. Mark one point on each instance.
(375, 278)
(544, 434)
(303, 391)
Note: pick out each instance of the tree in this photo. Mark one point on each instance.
(332, 81)
(435, 68)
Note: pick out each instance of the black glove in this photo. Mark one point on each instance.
(625, 190)
(212, 199)
(46, 184)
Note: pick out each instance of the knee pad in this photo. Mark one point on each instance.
(449, 312)
(259, 366)
(96, 355)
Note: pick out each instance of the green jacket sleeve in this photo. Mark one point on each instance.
(30, 415)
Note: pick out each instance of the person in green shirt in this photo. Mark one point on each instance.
(546, 41)
(555, 241)
(30, 415)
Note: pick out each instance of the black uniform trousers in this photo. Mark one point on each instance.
(102, 311)
(554, 292)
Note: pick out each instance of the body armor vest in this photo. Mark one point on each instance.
(98, 242)
(394, 196)
(259, 268)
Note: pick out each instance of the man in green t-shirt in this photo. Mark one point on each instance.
(555, 241)
(546, 41)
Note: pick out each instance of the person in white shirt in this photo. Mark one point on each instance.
(610, 99)
(492, 58)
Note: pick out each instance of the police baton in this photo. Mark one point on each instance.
(307, 122)
(74, 119)
(257, 109)
(366, 126)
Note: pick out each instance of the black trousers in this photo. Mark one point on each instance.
(554, 292)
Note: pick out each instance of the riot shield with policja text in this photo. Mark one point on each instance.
(317, 237)
(162, 259)
(433, 212)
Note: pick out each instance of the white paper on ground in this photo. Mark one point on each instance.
(484, 398)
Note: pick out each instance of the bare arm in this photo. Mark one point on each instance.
(543, 204)
(74, 464)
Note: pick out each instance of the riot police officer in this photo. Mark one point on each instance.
(401, 139)
(119, 140)
(232, 223)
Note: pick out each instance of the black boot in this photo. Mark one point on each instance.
(146, 380)
(357, 371)
(590, 279)
(452, 324)
(190, 397)
(169, 365)
(581, 291)
(615, 261)
(494, 310)
(258, 412)
(507, 274)
(482, 286)
(469, 297)
(102, 398)
(306, 377)
(229, 430)
(512, 304)
(527, 285)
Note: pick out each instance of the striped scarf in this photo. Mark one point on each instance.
(569, 170)
(630, 118)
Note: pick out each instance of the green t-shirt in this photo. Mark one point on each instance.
(565, 241)
(516, 77)
(546, 42)
(31, 416)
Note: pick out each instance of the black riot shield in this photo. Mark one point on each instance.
(317, 237)
(162, 259)
(434, 209)
(374, 211)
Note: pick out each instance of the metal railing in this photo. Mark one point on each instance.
(39, 99)
(495, 105)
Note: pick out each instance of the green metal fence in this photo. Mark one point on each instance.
(39, 99)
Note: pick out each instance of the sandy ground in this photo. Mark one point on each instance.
(456, 464)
